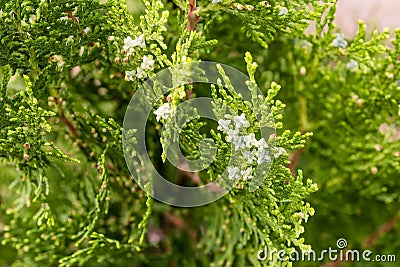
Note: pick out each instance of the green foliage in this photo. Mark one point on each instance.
(68, 71)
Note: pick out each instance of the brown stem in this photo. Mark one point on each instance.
(294, 160)
(194, 177)
(177, 222)
(71, 127)
(193, 19)
(336, 263)
(385, 228)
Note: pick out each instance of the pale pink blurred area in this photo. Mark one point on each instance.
(375, 13)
